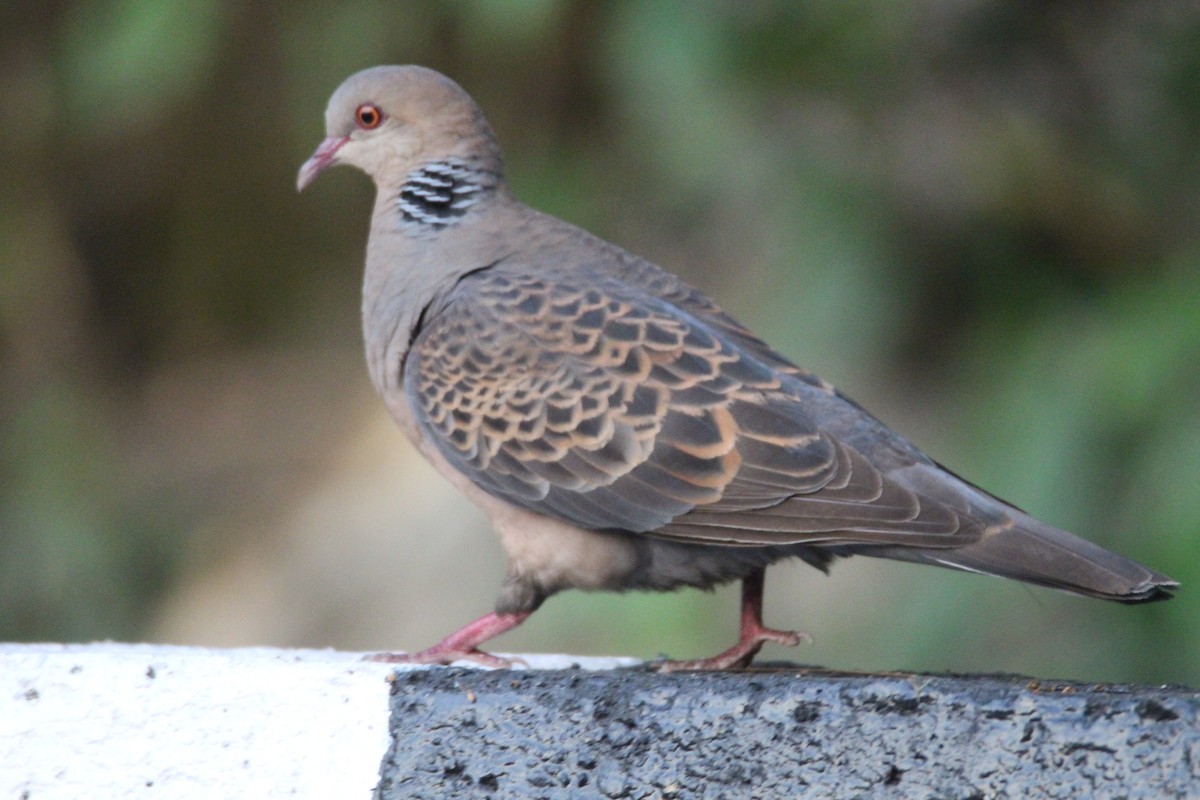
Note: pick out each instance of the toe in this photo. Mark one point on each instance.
(444, 657)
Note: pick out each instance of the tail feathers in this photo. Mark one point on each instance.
(1034, 552)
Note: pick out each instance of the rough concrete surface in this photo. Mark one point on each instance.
(781, 733)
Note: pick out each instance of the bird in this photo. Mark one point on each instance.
(620, 430)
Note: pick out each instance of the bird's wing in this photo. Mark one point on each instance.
(611, 408)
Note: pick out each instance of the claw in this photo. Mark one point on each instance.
(753, 636)
(740, 655)
(462, 645)
(437, 655)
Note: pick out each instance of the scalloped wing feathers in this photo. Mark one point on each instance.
(610, 408)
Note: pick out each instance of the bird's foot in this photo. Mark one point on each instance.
(463, 644)
(740, 655)
(443, 655)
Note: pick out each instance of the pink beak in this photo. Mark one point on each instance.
(325, 156)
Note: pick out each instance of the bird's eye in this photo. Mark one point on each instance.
(368, 116)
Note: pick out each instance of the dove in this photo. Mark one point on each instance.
(617, 427)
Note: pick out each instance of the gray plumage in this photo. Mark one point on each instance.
(621, 430)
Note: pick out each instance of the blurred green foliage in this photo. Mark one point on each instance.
(979, 218)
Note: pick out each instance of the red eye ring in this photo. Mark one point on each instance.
(368, 116)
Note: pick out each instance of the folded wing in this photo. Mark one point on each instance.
(613, 409)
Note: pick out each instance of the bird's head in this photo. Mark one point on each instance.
(388, 120)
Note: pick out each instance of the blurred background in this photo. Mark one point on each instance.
(977, 218)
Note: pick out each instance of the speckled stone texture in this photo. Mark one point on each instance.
(783, 733)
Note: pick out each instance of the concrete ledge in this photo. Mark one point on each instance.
(147, 721)
(784, 733)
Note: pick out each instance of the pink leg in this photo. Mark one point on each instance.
(754, 634)
(463, 644)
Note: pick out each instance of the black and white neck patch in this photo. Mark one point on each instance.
(437, 194)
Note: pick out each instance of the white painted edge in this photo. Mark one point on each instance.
(155, 721)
